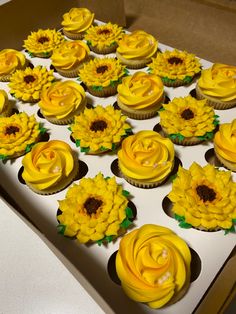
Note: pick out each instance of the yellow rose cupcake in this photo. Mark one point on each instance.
(5, 105)
(204, 198)
(18, 133)
(136, 50)
(146, 159)
(42, 42)
(69, 57)
(26, 85)
(49, 167)
(218, 86)
(103, 39)
(102, 76)
(153, 265)
(188, 121)
(175, 67)
(225, 145)
(76, 22)
(61, 101)
(99, 129)
(10, 61)
(95, 210)
(140, 95)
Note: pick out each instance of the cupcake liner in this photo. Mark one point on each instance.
(5, 78)
(133, 64)
(105, 50)
(175, 83)
(105, 92)
(73, 36)
(227, 164)
(143, 185)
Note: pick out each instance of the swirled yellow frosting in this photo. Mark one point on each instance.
(77, 20)
(146, 156)
(11, 60)
(16, 133)
(153, 265)
(3, 102)
(140, 90)
(219, 81)
(225, 141)
(47, 164)
(70, 54)
(136, 45)
(61, 99)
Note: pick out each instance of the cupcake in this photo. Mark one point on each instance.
(61, 101)
(18, 133)
(95, 210)
(49, 167)
(10, 61)
(98, 130)
(140, 95)
(225, 145)
(5, 105)
(175, 67)
(69, 57)
(42, 42)
(187, 121)
(103, 39)
(26, 85)
(153, 265)
(76, 22)
(146, 159)
(218, 86)
(102, 76)
(136, 50)
(204, 198)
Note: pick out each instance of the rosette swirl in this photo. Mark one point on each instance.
(77, 20)
(11, 60)
(153, 264)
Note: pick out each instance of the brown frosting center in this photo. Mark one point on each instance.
(187, 114)
(102, 69)
(205, 193)
(43, 40)
(98, 125)
(91, 205)
(104, 31)
(175, 60)
(29, 79)
(12, 130)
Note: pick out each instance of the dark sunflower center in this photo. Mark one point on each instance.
(104, 31)
(187, 114)
(102, 69)
(43, 39)
(91, 205)
(12, 130)
(29, 79)
(175, 60)
(98, 125)
(205, 193)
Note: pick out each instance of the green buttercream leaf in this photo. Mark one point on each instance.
(113, 147)
(230, 230)
(149, 70)
(125, 193)
(185, 225)
(126, 71)
(129, 131)
(129, 213)
(102, 148)
(99, 242)
(28, 147)
(234, 220)
(178, 136)
(179, 218)
(206, 136)
(125, 223)
(61, 229)
(107, 239)
(107, 178)
(69, 128)
(113, 44)
(97, 88)
(42, 130)
(3, 157)
(167, 80)
(89, 43)
(84, 149)
(188, 79)
(77, 143)
(113, 83)
(172, 178)
(46, 54)
(78, 79)
(161, 109)
(216, 121)
(31, 54)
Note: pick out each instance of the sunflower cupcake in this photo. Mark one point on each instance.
(204, 198)
(95, 210)
(175, 67)
(76, 21)
(42, 42)
(218, 86)
(5, 105)
(140, 95)
(49, 167)
(10, 61)
(103, 39)
(26, 85)
(188, 121)
(18, 133)
(136, 50)
(69, 57)
(102, 76)
(99, 129)
(61, 101)
(225, 145)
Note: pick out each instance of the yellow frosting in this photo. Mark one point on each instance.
(140, 90)
(146, 156)
(172, 118)
(153, 264)
(61, 99)
(102, 72)
(70, 54)
(3, 102)
(106, 216)
(16, 133)
(204, 196)
(47, 164)
(10, 60)
(136, 45)
(225, 141)
(77, 20)
(219, 81)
